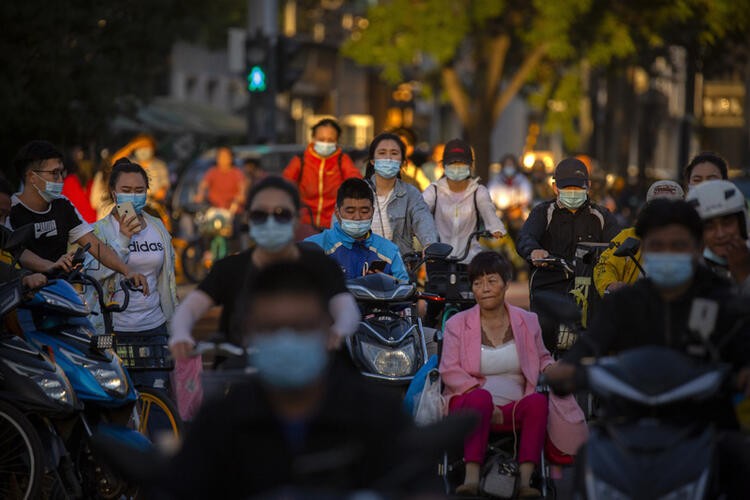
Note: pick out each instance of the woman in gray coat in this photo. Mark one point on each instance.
(401, 215)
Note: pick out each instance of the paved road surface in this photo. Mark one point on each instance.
(518, 295)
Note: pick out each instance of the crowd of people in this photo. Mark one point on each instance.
(286, 296)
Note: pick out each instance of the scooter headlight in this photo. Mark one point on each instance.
(390, 362)
(53, 385)
(110, 378)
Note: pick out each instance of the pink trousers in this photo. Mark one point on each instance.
(530, 423)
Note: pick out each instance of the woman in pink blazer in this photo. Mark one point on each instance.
(492, 357)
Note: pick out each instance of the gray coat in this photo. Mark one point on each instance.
(409, 216)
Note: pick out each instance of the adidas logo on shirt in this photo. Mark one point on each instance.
(145, 246)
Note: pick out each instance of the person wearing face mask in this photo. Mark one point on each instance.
(319, 172)
(723, 209)
(303, 423)
(143, 242)
(400, 214)
(273, 214)
(459, 203)
(350, 242)
(56, 222)
(141, 150)
(657, 311)
(555, 227)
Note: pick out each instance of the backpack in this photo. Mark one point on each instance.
(301, 157)
(480, 223)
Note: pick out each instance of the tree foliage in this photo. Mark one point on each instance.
(487, 51)
(71, 66)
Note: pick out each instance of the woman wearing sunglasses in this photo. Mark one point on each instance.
(273, 214)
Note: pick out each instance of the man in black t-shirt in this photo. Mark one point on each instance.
(273, 206)
(55, 220)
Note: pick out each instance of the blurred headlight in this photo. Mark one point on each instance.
(54, 386)
(390, 362)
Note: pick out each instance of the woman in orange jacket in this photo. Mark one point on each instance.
(319, 172)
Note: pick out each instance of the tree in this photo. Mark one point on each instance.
(486, 51)
(71, 67)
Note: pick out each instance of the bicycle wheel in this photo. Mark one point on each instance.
(157, 413)
(194, 264)
(21, 456)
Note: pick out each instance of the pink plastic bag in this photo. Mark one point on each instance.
(186, 380)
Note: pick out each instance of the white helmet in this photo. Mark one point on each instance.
(716, 198)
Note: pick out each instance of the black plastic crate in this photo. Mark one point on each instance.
(144, 352)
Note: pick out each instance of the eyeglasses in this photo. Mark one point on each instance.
(58, 173)
(280, 215)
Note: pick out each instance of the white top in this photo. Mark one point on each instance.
(146, 257)
(380, 223)
(502, 369)
(456, 217)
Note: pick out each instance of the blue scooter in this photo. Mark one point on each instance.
(56, 321)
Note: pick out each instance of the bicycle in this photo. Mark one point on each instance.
(215, 227)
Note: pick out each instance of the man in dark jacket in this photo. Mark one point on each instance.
(304, 422)
(555, 227)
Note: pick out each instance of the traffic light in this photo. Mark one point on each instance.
(290, 64)
(257, 59)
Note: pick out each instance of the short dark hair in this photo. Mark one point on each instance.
(292, 277)
(488, 262)
(354, 188)
(125, 166)
(275, 182)
(385, 136)
(512, 158)
(663, 212)
(707, 157)
(34, 152)
(327, 122)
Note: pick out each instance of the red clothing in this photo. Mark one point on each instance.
(223, 186)
(80, 197)
(320, 181)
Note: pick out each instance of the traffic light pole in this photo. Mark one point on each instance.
(262, 16)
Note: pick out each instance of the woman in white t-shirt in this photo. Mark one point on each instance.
(142, 241)
(459, 203)
(400, 213)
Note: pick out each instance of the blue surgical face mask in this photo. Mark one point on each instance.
(573, 198)
(668, 270)
(509, 170)
(287, 359)
(457, 171)
(325, 148)
(137, 199)
(51, 191)
(386, 167)
(356, 228)
(272, 235)
(709, 254)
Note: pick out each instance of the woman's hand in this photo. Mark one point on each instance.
(139, 281)
(181, 350)
(130, 226)
(497, 416)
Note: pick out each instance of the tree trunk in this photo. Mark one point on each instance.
(479, 134)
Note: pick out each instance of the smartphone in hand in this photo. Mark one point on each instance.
(125, 210)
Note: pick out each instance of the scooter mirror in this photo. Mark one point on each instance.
(629, 247)
(438, 250)
(558, 306)
(19, 238)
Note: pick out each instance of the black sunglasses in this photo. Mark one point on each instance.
(280, 215)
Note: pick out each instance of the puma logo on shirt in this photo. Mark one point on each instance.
(47, 228)
(144, 246)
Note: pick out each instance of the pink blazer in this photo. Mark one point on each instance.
(460, 369)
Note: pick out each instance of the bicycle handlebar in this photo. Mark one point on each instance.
(557, 262)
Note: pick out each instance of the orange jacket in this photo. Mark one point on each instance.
(318, 183)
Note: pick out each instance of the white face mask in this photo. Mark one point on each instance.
(457, 171)
(325, 148)
(51, 191)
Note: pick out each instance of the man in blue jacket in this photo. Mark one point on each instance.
(351, 243)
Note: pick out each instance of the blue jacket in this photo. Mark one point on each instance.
(352, 255)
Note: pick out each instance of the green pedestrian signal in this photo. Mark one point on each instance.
(256, 79)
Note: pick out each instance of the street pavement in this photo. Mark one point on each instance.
(518, 295)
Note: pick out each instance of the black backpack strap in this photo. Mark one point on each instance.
(476, 211)
(301, 166)
(434, 206)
